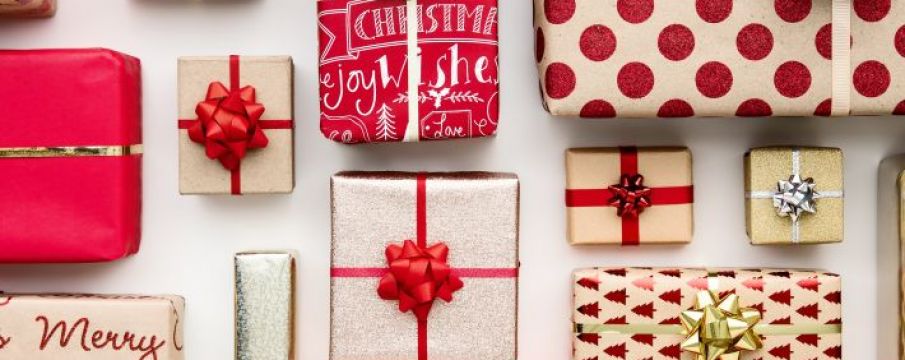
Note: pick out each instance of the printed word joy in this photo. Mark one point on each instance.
(89, 339)
(364, 85)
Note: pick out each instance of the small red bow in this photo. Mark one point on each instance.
(630, 196)
(417, 276)
(227, 124)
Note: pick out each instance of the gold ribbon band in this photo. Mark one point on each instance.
(412, 129)
(70, 151)
(657, 329)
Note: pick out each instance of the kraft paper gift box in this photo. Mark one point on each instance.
(424, 266)
(265, 305)
(27, 8)
(382, 83)
(629, 195)
(669, 313)
(794, 195)
(236, 125)
(70, 155)
(91, 327)
(616, 58)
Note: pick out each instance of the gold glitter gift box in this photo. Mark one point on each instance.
(424, 266)
(716, 314)
(236, 125)
(794, 195)
(95, 327)
(265, 305)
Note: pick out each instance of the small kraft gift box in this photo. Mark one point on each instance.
(380, 82)
(629, 195)
(425, 266)
(236, 125)
(794, 195)
(698, 314)
(91, 327)
(616, 58)
(28, 8)
(70, 155)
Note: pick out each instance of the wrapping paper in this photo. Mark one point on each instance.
(364, 67)
(716, 58)
(644, 296)
(265, 306)
(264, 170)
(764, 167)
(28, 8)
(91, 327)
(475, 215)
(88, 98)
(901, 186)
(592, 220)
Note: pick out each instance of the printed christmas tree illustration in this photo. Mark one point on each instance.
(386, 123)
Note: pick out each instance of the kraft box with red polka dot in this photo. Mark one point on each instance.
(681, 58)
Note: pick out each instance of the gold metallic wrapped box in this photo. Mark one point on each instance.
(28, 8)
(703, 314)
(794, 195)
(265, 306)
(236, 125)
(425, 266)
(91, 327)
(629, 196)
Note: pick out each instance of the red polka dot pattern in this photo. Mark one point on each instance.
(871, 78)
(598, 43)
(559, 11)
(675, 108)
(539, 44)
(714, 79)
(792, 79)
(872, 10)
(824, 41)
(633, 59)
(754, 108)
(560, 80)
(635, 11)
(676, 42)
(793, 11)
(713, 11)
(635, 80)
(598, 109)
(754, 42)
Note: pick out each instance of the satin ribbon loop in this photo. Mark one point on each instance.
(719, 328)
(228, 124)
(417, 276)
(630, 197)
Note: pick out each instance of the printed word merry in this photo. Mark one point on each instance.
(97, 339)
(376, 23)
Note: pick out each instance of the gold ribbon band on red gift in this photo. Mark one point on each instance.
(658, 329)
(412, 129)
(70, 151)
(842, 58)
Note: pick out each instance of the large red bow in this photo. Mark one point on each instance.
(417, 276)
(228, 124)
(630, 196)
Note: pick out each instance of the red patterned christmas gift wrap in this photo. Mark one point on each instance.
(365, 64)
(629, 195)
(424, 266)
(70, 155)
(646, 58)
(91, 327)
(28, 8)
(235, 125)
(656, 314)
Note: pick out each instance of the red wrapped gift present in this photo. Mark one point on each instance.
(70, 155)
(367, 93)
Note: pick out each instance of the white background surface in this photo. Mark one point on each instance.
(188, 242)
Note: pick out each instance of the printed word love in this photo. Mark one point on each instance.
(147, 347)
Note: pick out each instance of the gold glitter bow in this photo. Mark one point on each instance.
(720, 329)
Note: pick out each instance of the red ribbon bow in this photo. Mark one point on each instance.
(417, 276)
(228, 124)
(630, 196)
